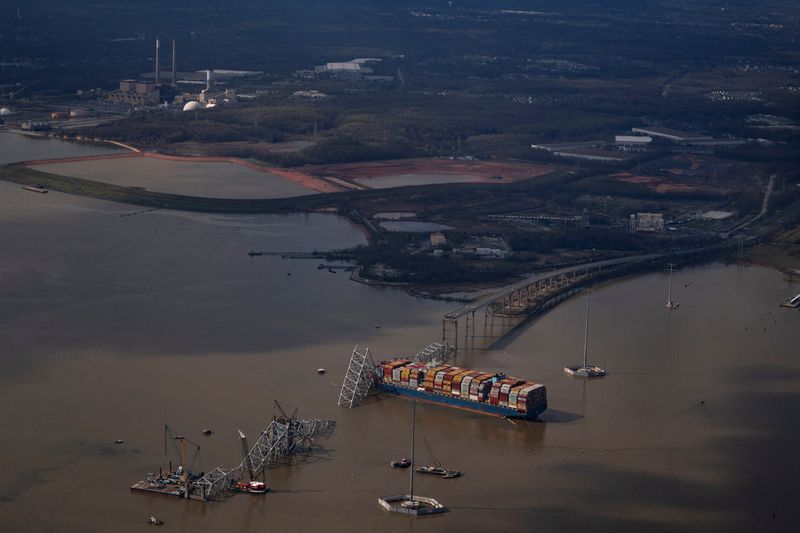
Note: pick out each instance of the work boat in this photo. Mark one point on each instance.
(251, 487)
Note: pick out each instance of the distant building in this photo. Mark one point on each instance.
(632, 142)
(313, 93)
(136, 93)
(438, 239)
(489, 252)
(677, 136)
(41, 125)
(649, 222)
(347, 69)
(604, 156)
(567, 146)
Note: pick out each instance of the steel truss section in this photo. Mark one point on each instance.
(213, 484)
(358, 379)
(435, 353)
(283, 437)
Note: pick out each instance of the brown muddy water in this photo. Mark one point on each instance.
(111, 326)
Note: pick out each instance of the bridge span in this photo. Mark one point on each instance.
(533, 295)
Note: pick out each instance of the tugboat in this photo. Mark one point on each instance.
(402, 463)
(438, 469)
(253, 486)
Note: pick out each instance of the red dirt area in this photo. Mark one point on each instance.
(662, 187)
(486, 171)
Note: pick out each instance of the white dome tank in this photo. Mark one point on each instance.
(192, 106)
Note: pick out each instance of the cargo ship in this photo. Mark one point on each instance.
(489, 393)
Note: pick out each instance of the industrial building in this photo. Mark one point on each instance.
(134, 92)
(568, 146)
(648, 222)
(438, 239)
(632, 143)
(603, 156)
(355, 68)
(677, 136)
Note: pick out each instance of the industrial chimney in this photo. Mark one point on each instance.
(158, 70)
(174, 78)
(209, 80)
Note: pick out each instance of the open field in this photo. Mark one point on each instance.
(663, 186)
(214, 177)
(398, 173)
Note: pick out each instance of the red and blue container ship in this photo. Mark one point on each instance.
(489, 393)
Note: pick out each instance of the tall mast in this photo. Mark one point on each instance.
(586, 332)
(413, 438)
(669, 287)
(174, 77)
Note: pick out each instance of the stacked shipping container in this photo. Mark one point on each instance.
(466, 388)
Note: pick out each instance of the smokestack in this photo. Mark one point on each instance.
(174, 78)
(209, 80)
(158, 70)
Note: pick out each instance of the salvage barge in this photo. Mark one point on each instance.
(489, 393)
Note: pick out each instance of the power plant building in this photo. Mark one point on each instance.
(136, 93)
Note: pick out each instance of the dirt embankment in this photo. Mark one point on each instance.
(301, 178)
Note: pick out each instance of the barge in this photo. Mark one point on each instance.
(491, 393)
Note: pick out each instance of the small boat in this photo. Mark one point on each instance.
(153, 521)
(402, 463)
(251, 487)
(792, 302)
(119, 441)
(253, 253)
(436, 470)
(207, 432)
(585, 370)
(35, 188)
(451, 474)
(320, 371)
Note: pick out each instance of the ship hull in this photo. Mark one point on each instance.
(467, 405)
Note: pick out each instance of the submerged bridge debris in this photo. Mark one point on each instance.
(284, 437)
